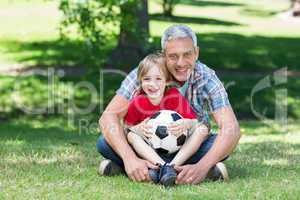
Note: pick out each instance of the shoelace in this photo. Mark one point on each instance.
(164, 168)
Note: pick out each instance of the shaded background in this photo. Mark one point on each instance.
(244, 41)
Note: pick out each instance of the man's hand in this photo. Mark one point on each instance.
(137, 169)
(191, 174)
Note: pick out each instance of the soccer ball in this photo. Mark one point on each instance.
(161, 140)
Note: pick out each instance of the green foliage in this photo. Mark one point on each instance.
(89, 19)
(96, 22)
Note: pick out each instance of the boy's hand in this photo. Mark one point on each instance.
(143, 128)
(180, 126)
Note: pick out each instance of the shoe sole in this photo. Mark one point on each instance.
(223, 170)
(104, 168)
(108, 168)
(168, 181)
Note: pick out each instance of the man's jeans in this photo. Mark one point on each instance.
(107, 152)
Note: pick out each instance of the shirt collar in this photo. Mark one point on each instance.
(195, 75)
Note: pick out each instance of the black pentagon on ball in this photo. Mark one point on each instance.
(154, 115)
(181, 140)
(161, 132)
(175, 116)
(161, 151)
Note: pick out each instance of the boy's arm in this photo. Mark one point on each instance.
(194, 124)
(183, 125)
(141, 128)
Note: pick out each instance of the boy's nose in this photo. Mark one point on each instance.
(153, 84)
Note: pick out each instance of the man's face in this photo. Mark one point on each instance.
(181, 56)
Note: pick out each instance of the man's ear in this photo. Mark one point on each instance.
(197, 51)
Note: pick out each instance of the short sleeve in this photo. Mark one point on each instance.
(129, 85)
(133, 116)
(217, 95)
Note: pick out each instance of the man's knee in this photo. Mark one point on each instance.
(107, 151)
(102, 145)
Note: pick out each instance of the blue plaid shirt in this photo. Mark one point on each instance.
(204, 91)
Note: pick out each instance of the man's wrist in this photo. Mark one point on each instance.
(206, 163)
(128, 155)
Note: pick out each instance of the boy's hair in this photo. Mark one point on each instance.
(149, 61)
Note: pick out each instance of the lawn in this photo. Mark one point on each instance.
(45, 159)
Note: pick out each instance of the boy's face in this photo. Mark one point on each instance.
(154, 83)
(181, 56)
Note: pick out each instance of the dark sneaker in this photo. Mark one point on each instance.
(154, 175)
(109, 168)
(167, 175)
(218, 172)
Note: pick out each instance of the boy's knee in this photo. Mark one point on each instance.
(130, 137)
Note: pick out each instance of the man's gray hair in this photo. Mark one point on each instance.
(178, 31)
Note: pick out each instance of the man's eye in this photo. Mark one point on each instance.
(187, 54)
(172, 56)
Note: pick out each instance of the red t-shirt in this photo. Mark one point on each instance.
(141, 107)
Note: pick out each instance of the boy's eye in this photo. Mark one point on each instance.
(146, 79)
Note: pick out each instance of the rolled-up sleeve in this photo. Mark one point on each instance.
(216, 93)
(129, 85)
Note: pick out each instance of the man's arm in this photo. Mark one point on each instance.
(227, 138)
(225, 143)
(228, 127)
(136, 168)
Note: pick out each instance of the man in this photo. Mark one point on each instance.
(203, 90)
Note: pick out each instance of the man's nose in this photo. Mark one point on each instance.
(180, 61)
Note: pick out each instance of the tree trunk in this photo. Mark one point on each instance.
(134, 34)
(168, 6)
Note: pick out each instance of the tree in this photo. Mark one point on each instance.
(95, 22)
(168, 7)
(134, 33)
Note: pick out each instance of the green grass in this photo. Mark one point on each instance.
(29, 37)
(45, 159)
